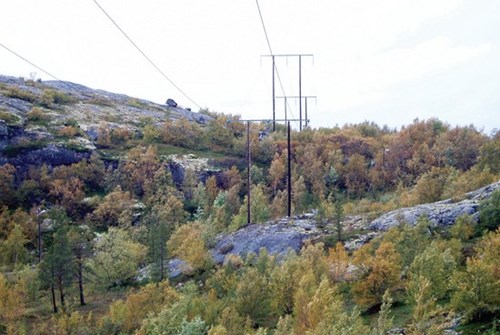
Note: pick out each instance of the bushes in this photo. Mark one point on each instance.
(9, 118)
(50, 97)
(116, 259)
(18, 93)
(68, 131)
(37, 114)
(489, 218)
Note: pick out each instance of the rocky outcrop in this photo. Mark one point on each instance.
(278, 238)
(52, 155)
(441, 213)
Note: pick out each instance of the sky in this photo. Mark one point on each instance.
(386, 61)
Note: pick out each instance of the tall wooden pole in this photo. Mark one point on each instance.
(274, 100)
(300, 91)
(249, 181)
(306, 110)
(289, 177)
(286, 112)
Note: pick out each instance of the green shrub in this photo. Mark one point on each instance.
(17, 93)
(37, 114)
(68, 131)
(489, 213)
(133, 102)
(50, 96)
(9, 118)
(12, 150)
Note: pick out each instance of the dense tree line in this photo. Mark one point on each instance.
(71, 233)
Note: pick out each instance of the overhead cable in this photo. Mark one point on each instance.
(271, 52)
(145, 56)
(39, 68)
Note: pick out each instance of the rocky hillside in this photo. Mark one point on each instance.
(58, 123)
(37, 112)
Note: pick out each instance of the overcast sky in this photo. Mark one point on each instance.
(387, 61)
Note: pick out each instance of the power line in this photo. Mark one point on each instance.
(144, 54)
(271, 52)
(39, 68)
(264, 27)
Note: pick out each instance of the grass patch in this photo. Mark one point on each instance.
(100, 101)
(50, 96)
(13, 150)
(17, 93)
(118, 152)
(473, 328)
(167, 149)
(112, 118)
(111, 155)
(75, 147)
(9, 118)
(133, 102)
(38, 115)
(400, 312)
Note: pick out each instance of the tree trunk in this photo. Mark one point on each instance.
(53, 298)
(61, 291)
(162, 251)
(80, 282)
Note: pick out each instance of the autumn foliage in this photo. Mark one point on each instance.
(107, 230)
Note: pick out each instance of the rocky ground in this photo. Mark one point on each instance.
(32, 114)
(62, 103)
(88, 106)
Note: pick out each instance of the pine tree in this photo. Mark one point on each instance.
(338, 214)
(79, 239)
(56, 268)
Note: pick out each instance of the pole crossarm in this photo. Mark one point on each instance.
(288, 55)
(297, 97)
(264, 120)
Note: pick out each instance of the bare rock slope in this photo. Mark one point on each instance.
(441, 213)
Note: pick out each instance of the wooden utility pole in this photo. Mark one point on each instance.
(289, 174)
(249, 181)
(300, 92)
(274, 100)
(249, 166)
